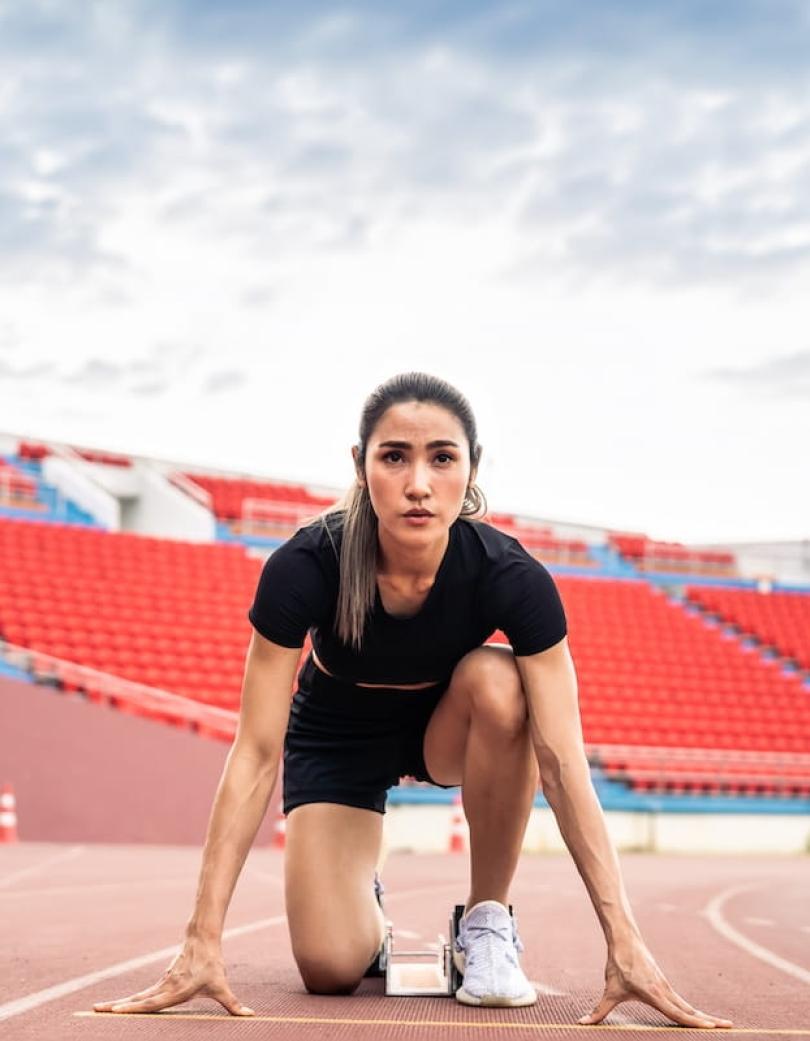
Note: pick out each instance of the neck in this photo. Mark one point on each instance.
(410, 561)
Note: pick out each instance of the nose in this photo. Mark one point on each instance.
(418, 486)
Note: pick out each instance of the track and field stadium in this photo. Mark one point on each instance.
(124, 587)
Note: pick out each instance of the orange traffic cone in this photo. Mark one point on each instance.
(458, 832)
(280, 832)
(8, 814)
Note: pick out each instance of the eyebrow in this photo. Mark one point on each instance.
(407, 444)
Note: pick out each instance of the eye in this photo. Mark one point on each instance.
(445, 455)
(393, 451)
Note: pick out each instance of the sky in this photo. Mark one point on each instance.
(222, 224)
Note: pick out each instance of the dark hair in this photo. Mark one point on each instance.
(358, 555)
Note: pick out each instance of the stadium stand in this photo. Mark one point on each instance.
(170, 615)
(690, 681)
(777, 619)
(650, 555)
(17, 488)
(37, 452)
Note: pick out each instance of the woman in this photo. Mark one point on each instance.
(400, 589)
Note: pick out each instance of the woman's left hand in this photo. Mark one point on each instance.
(633, 975)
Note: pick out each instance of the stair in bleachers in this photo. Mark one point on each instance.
(43, 501)
(611, 563)
(778, 619)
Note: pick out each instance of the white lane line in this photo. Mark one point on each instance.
(543, 988)
(60, 990)
(759, 921)
(69, 854)
(713, 911)
(264, 876)
(94, 887)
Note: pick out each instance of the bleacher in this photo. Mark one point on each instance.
(648, 554)
(24, 493)
(171, 615)
(704, 693)
(158, 612)
(778, 619)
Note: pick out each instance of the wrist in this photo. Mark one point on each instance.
(622, 936)
(203, 932)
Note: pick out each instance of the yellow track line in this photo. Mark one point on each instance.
(489, 1024)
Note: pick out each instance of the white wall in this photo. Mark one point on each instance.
(9, 444)
(165, 511)
(783, 561)
(75, 481)
(426, 829)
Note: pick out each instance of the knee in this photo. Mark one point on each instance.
(495, 690)
(322, 975)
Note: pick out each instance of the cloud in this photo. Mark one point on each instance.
(96, 372)
(787, 376)
(30, 372)
(258, 296)
(654, 144)
(150, 388)
(228, 379)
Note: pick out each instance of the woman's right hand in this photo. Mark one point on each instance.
(197, 969)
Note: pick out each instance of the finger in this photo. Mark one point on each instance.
(105, 1006)
(163, 999)
(684, 1004)
(226, 997)
(601, 1010)
(687, 1019)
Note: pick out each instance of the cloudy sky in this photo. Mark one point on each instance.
(223, 223)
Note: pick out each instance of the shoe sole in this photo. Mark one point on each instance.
(489, 1000)
(495, 1000)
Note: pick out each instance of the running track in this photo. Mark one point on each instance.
(85, 923)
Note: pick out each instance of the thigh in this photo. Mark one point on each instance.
(335, 922)
(446, 735)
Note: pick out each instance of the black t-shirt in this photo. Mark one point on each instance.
(486, 581)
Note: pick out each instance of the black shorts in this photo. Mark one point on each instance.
(348, 744)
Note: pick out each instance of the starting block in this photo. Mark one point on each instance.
(425, 973)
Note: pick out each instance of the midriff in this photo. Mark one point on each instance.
(394, 686)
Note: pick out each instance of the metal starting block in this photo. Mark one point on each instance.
(426, 973)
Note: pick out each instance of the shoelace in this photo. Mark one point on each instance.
(503, 932)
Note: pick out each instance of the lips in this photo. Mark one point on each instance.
(418, 513)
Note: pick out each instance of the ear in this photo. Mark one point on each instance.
(361, 480)
(474, 468)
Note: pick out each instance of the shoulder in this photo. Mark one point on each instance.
(518, 591)
(319, 539)
(506, 564)
(495, 546)
(298, 583)
(310, 554)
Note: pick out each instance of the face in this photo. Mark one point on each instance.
(417, 458)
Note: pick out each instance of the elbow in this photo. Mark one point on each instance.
(262, 759)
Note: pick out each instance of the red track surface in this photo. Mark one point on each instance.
(732, 935)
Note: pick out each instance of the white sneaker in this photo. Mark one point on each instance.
(485, 952)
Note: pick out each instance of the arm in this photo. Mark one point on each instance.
(550, 685)
(247, 782)
(240, 803)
